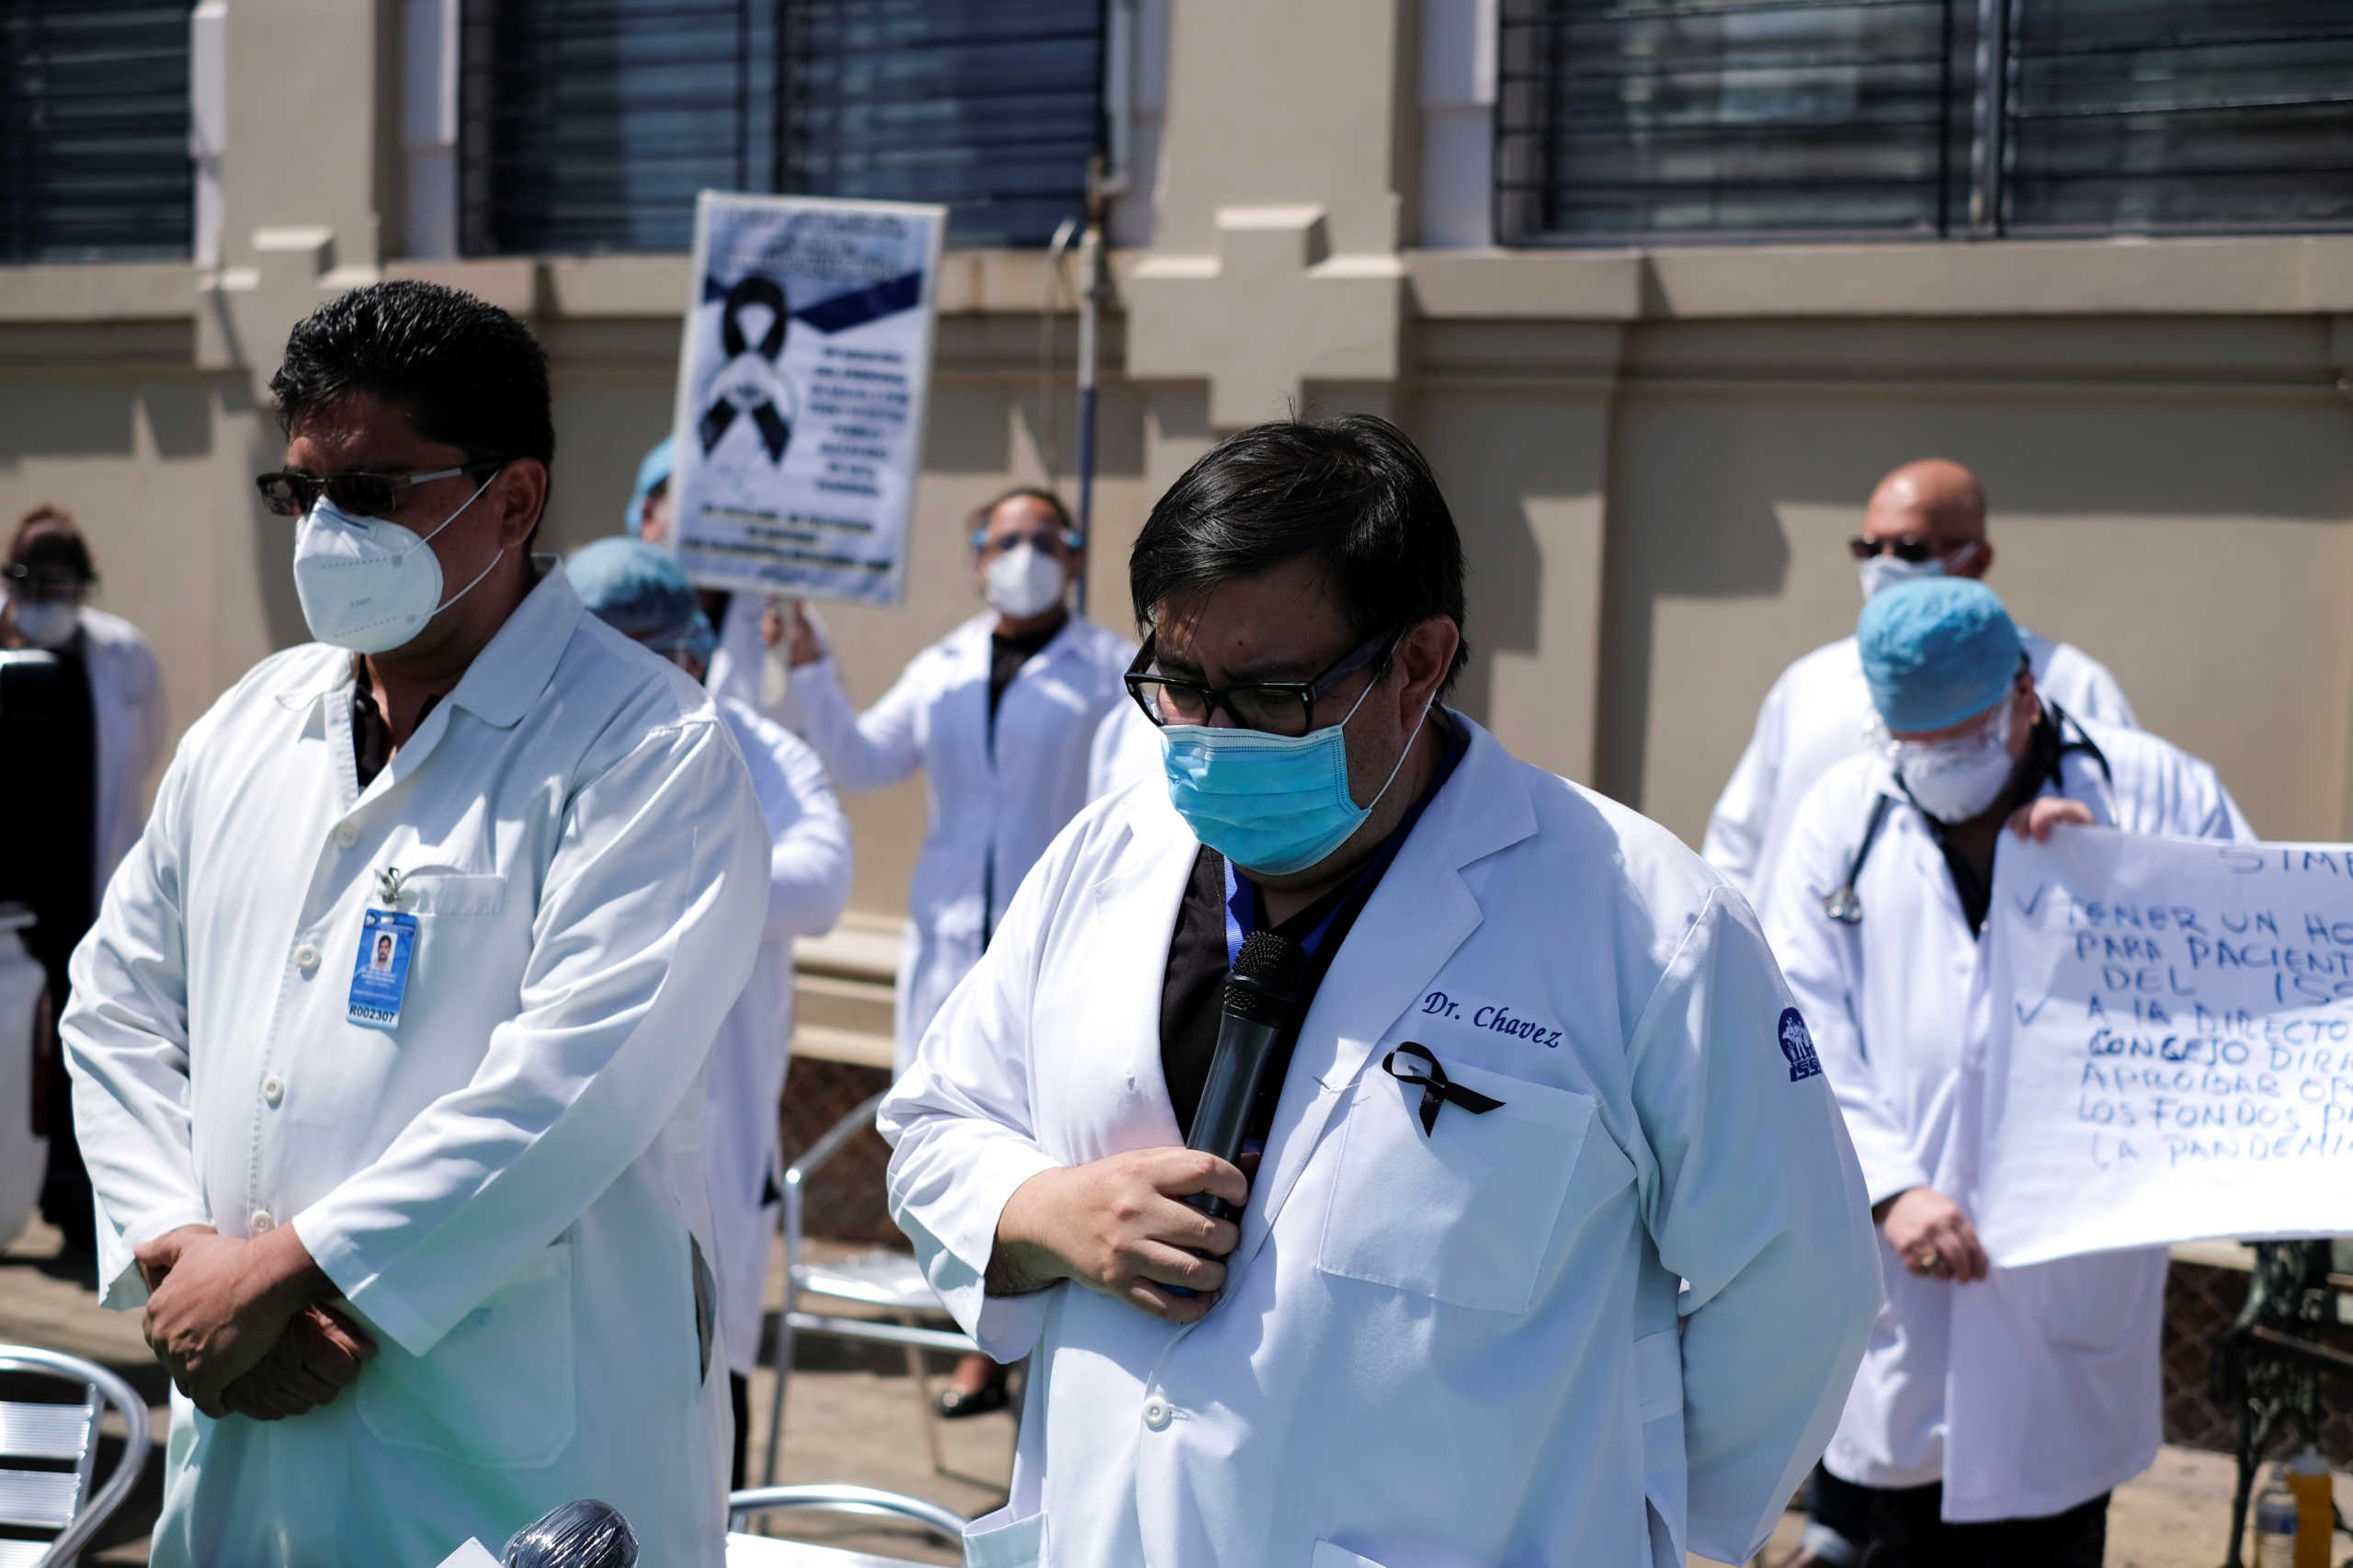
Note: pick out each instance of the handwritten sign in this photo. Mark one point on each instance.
(802, 375)
(2171, 1053)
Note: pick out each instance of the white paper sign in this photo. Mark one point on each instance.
(473, 1554)
(803, 377)
(2171, 1056)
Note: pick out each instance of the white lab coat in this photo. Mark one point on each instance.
(809, 869)
(127, 711)
(1819, 713)
(509, 1189)
(2036, 1389)
(1126, 751)
(994, 809)
(1451, 1348)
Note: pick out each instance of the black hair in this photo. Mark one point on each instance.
(467, 374)
(987, 510)
(1352, 490)
(48, 538)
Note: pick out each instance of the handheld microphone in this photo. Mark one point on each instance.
(1260, 999)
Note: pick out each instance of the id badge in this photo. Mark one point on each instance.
(380, 974)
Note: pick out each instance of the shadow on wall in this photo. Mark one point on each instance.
(273, 537)
(1520, 473)
(1751, 497)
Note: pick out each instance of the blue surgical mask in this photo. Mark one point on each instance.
(1271, 803)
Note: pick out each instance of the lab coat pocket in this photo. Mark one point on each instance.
(1464, 1213)
(2088, 1304)
(498, 1389)
(1021, 1544)
(427, 891)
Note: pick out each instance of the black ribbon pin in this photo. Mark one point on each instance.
(750, 384)
(1438, 1090)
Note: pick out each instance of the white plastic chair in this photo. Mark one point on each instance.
(948, 1524)
(883, 1278)
(61, 1500)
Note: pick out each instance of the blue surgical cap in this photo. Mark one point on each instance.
(658, 466)
(641, 591)
(1936, 651)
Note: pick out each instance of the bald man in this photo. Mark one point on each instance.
(1927, 518)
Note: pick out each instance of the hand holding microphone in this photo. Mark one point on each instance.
(1150, 1227)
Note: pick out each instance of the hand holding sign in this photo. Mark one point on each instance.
(2171, 1057)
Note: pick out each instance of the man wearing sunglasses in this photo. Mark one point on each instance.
(1925, 520)
(1552, 1248)
(423, 1246)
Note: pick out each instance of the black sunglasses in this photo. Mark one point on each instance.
(1913, 548)
(1276, 707)
(355, 493)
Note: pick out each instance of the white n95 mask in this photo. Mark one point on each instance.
(46, 623)
(1025, 581)
(1955, 780)
(367, 584)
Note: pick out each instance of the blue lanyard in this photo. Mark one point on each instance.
(1243, 908)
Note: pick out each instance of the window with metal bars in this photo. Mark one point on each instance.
(94, 123)
(589, 125)
(1730, 119)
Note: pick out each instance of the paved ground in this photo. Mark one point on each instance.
(852, 1417)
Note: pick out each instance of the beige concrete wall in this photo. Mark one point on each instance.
(1653, 456)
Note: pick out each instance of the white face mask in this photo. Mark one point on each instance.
(1955, 780)
(46, 623)
(367, 584)
(1025, 581)
(1884, 570)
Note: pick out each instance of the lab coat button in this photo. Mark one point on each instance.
(273, 1088)
(262, 1223)
(306, 958)
(346, 835)
(1156, 1413)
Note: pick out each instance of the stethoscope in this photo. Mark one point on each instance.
(1841, 902)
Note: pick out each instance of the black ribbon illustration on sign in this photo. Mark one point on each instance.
(750, 383)
(1438, 1091)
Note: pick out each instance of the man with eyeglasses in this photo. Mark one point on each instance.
(1552, 1248)
(85, 709)
(424, 1243)
(1925, 520)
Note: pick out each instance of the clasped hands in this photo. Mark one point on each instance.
(242, 1326)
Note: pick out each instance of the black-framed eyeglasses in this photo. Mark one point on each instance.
(356, 493)
(1911, 547)
(1276, 707)
(29, 584)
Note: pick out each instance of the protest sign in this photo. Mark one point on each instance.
(2170, 1057)
(802, 375)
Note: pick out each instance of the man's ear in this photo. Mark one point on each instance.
(1981, 560)
(1429, 653)
(520, 495)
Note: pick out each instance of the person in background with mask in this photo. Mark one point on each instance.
(1925, 520)
(748, 624)
(640, 592)
(487, 1165)
(1996, 1408)
(104, 743)
(999, 714)
(1553, 1250)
